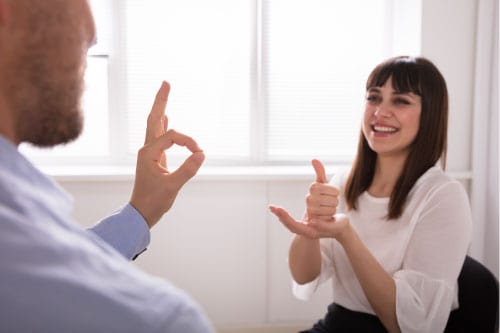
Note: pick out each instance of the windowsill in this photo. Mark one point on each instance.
(206, 173)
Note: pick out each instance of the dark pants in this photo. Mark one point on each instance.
(341, 320)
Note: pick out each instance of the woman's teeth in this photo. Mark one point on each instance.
(384, 129)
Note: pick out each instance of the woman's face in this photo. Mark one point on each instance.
(391, 120)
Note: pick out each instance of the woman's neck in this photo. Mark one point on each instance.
(387, 172)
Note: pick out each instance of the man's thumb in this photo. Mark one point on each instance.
(189, 168)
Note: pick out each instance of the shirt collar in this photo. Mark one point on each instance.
(21, 171)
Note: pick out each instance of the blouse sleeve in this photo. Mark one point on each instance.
(425, 287)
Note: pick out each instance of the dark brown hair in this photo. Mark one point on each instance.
(421, 77)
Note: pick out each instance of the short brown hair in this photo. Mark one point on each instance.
(420, 76)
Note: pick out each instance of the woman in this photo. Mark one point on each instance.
(394, 233)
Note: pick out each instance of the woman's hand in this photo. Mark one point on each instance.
(336, 226)
(322, 200)
(320, 220)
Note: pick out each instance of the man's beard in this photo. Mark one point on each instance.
(46, 97)
(53, 114)
(45, 82)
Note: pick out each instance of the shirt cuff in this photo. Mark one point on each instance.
(125, 230)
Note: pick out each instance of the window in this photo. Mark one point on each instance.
(254, 81)
(204, 49)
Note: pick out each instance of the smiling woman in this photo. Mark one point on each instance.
(393, 233)
(391, 119)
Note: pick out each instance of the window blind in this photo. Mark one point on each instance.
(317, 55)
(204, 49)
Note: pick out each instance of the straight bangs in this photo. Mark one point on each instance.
(404, 73)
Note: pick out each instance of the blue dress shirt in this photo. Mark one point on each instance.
(57, 277)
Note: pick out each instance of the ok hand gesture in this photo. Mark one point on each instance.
(156, 187)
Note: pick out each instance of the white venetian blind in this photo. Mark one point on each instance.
(317, 55)
(203, 48)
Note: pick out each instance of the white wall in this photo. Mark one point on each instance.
(220, 243)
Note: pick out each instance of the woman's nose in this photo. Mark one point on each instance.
(382, 111)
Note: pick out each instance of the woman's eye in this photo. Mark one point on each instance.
(401, 101)
(372, 98)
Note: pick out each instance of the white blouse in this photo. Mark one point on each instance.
(423, 250)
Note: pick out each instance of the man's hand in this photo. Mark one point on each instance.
(155, 187)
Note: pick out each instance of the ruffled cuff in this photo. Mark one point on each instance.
(423, 304)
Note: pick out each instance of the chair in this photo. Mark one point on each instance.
(478, 300)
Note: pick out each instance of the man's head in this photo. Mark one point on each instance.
(43, 47)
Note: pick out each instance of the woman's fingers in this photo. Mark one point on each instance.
(296, 227)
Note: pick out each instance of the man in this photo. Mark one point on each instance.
(55, 276)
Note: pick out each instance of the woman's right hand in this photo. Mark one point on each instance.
(322, 200)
